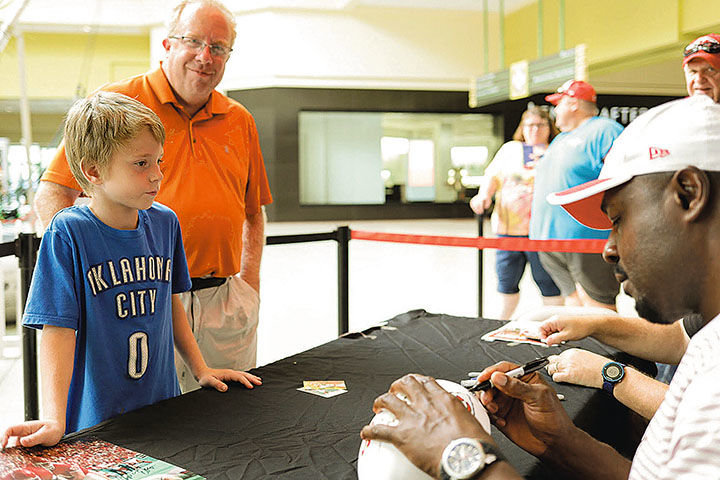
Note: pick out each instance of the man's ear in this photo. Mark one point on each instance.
(691, 191)
(573, 104)
(92, 173)
(166, 44)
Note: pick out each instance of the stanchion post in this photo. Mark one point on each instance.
(26, 246)
(480, 219)
(343, 239)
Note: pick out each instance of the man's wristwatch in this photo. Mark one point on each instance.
(612, 373)
(466, 457)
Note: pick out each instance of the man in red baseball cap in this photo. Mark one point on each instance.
(574, 157)
(701, 64)
(575, 101)
(575, 89)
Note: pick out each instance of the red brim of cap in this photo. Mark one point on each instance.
(711, 58)
(554, 98)
(589, 213)
(583, 202)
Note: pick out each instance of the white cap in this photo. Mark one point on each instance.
(666, 138)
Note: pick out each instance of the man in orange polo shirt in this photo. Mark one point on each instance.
(215, 181)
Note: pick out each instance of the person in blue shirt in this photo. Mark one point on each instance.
(574, 157)
(106, 284)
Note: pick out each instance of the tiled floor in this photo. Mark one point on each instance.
(299, 289)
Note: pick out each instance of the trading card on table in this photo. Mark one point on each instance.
(87, 459)
(324, 388)
(517, 332)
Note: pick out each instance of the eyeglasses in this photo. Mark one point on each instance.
(709, 47)
(197, 46)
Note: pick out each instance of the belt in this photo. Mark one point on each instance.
(206, 282)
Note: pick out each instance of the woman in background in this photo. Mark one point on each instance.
(510, 177)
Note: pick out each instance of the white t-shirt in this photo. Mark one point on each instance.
(512, 172)
(683, 438)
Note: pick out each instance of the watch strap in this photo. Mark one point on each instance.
(609, 387)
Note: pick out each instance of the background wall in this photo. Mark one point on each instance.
(276, 112)
(60, 67)
(340, 158)
(633, 47)
(60, 64)
(361, 47)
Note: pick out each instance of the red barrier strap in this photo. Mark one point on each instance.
(503, 243)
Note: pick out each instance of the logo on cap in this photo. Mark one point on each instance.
(656, 152)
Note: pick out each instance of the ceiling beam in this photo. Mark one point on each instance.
(6, 28)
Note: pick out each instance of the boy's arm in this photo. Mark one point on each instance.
(57, 352)
(192, 356)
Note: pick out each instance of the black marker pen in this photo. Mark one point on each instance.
(529, 367)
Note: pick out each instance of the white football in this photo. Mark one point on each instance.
(382, 461)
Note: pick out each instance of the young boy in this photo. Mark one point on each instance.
(105, 286)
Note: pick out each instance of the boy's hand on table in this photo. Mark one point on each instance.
(35, 432)
(216, 378)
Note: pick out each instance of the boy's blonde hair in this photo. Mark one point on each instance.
(98, 126)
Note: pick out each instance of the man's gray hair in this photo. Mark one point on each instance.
(590, 108)
(177, 12)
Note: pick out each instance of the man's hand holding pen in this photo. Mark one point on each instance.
(525, 409)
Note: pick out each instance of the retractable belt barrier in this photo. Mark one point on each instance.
(520, 244)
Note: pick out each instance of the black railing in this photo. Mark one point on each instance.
(480, 219)
(25, 247)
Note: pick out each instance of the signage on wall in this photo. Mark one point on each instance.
(526, 78)
(490, 88)
(519, 80)
(622, 115)
(548, 73)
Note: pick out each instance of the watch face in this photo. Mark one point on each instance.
(465, 459)
(613, 372)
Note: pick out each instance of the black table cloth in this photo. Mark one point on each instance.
(275, 431)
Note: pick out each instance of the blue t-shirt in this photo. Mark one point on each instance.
(114, 288)
(572, 158)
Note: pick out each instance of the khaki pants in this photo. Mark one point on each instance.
(224, 321)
